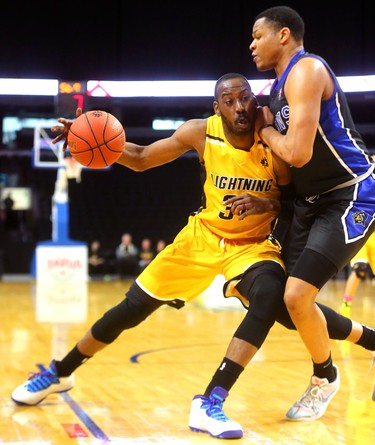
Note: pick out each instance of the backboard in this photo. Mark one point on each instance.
(45, 153)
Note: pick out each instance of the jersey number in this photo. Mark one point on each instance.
(228, 209)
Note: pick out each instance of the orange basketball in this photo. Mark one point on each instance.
(96, 139)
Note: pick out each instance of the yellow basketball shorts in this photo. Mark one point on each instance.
(187, 267)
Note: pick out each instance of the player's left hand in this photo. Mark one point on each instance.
(264, 117)
(245, 205)
(64, 129)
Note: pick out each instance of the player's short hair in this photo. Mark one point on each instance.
(282, 16)
(226, 77)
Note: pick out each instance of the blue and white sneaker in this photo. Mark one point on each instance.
(207, 416)
(40, 385)
(314, 401)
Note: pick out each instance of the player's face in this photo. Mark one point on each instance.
(265, 45)
(236, 105)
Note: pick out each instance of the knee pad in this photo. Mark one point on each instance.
(263, 285)
(253, 330)
(362, 270)
(134, 309)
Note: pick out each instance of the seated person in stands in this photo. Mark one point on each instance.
(127, 257)
(160, 245)
(97, 261)
(146, 254)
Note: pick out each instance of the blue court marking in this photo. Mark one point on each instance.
(87, 421)
(134, 358)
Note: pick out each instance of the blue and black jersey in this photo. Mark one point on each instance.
(340, 157)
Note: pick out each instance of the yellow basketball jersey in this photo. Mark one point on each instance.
(214, 242)
(231, 172)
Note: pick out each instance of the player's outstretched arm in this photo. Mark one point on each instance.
(189, 136)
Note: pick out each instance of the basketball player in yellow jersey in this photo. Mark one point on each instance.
(228, 235)
(216, 241)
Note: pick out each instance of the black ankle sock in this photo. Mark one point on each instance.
(367, 339)
(225, 376)
(70, 362)
(325, 370)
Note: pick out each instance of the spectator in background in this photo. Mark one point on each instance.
(127, 256)
(97, 261)
(160, 245)
(146, 254)
(11, 223)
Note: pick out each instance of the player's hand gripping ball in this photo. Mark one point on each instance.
(96, 139)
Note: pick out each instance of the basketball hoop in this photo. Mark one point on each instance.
(73, 169)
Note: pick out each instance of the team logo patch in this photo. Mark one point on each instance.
(359, 218)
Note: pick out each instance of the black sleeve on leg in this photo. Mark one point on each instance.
(134, 309)
(263, 286)
(339, 327)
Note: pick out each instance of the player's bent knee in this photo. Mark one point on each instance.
(134, 309)
(253, 329)
(263, 285)
(295, 303)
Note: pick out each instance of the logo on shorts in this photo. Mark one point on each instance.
(359, 218)
(312, 199)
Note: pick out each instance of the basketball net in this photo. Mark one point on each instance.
(73, 169)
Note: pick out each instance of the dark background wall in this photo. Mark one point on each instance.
(176, 40)
(123, 40)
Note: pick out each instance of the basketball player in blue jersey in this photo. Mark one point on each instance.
(309, 125)
(222, 237)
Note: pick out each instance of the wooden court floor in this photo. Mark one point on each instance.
(139, 389)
